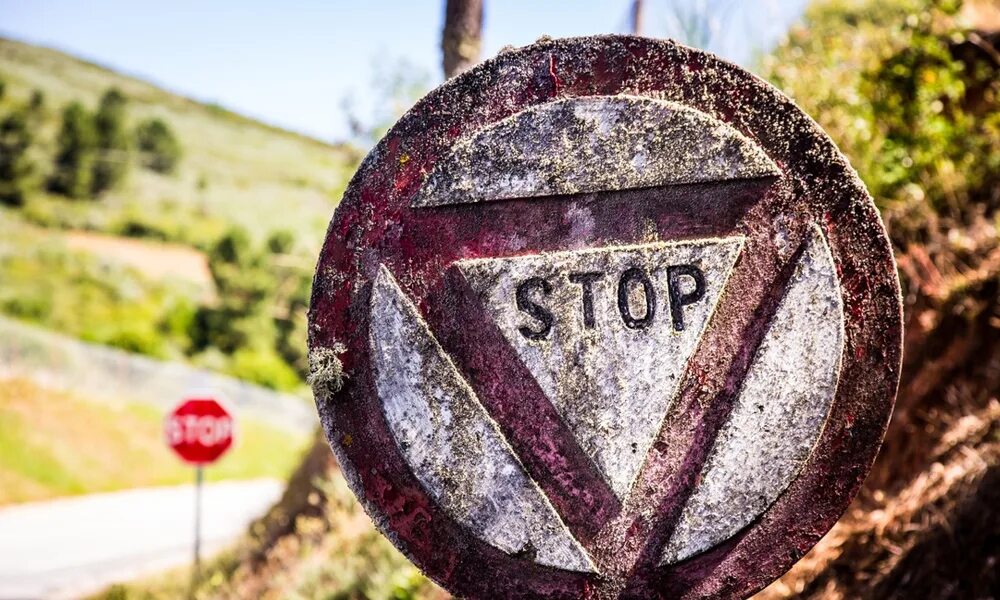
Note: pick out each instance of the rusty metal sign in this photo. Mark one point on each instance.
(605, 318)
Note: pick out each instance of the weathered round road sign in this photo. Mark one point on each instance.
(615, 319)
(200, 430)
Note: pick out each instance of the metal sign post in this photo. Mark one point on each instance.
(605, 318)
(200, 430)
(196, 571)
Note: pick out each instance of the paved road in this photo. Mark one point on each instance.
(71, 547)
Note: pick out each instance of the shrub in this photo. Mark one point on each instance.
(16, 167)
(281, 242)
(112, 142)
(264, 367)
(159, 148)
(916, 115)
(76, 151)
(37, 101)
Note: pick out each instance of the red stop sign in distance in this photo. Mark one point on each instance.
(200, 430)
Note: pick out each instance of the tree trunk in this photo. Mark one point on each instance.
(636, 17)
(461, 39)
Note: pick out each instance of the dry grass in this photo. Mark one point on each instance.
(936, 537)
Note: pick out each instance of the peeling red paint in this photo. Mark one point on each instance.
(556, 82)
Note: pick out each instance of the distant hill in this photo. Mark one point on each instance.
(236, 306)
(234, 169)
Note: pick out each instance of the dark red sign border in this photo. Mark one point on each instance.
(374, 225)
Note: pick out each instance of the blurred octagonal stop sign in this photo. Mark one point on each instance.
(200, 430)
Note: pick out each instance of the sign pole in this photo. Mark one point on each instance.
(199, 477)
(200, 430)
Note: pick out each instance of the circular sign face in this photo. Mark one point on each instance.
(200, 430)
(605, 318)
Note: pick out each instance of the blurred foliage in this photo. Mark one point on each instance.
(260, 317)
(253, 326)
(254, 198)
(94, 300)
(16, 166)
(911, 96)
(77, 149)
(395, 87)
(232, 171)
(160, 150)
(37, 102)
(93, 151)
(112, 142)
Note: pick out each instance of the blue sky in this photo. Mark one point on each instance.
(292, 63)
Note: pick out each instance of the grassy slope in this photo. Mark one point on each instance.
(84, 295)
(234, 170)
(55, 444)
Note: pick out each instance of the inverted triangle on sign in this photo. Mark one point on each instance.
(598, 331)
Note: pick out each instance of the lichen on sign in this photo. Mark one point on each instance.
(590, 145)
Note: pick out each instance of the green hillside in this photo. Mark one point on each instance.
(253, 199)
(234, 170)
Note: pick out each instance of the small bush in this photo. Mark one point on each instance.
(159, 149)
(77, 150)
(281, 242)
(37, 102)
(112, 139)
(264, 367)
(16, 167)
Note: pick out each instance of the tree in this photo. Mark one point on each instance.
(112, 142)
(259, 319)
(635, 20)
(395, 86)
(159, 149)
(16, 167)
(76, 151)
(461, 39)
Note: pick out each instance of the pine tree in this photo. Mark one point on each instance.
(16, 167)
(77, 148)
(112, 142)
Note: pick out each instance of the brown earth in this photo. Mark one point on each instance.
(156, 260)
